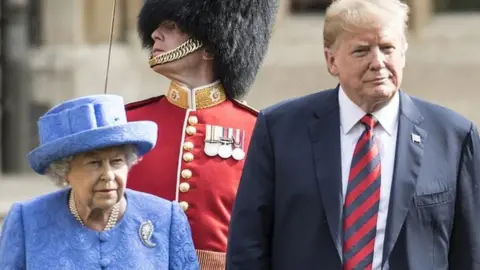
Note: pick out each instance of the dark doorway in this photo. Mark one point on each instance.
(34, 11)
(444, 6)
(309, 6)
(2, 67)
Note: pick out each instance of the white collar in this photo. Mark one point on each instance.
(350, 113)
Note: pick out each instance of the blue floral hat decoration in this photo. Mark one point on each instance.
(85, 124)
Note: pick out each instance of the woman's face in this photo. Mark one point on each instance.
(98, 178)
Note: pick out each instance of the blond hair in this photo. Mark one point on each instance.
(353, 15)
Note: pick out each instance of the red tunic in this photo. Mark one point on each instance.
(178, 168)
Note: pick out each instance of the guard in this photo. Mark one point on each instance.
(211, 51)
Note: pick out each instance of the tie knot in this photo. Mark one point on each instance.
(369, 121)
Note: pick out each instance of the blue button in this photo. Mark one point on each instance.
(102, 236)
(104, 262)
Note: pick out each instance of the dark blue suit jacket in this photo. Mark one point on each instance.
(287, 214)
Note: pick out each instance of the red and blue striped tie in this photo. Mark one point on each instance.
(360, 209)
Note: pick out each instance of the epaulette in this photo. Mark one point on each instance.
(243, 104)
(141, 103)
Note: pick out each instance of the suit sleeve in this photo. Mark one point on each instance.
(12, 241)
(182, 252)
(250, 232)
(464, 253)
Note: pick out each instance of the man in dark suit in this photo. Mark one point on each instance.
(362, 176)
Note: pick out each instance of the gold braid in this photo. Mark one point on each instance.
(185, 48)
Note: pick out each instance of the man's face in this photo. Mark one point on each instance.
(168, 37)
(369, 63)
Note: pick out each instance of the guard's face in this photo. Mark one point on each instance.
(98, 178)
(168, 37)
(369, 63)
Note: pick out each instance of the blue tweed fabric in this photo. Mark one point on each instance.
(42, 234)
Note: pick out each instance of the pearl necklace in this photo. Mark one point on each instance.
(112, 219)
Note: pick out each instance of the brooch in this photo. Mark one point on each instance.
(146, 232)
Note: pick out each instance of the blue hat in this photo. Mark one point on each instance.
(85, 124)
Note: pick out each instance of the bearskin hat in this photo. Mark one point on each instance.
(237, 31)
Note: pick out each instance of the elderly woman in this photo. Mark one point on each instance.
(87, 145)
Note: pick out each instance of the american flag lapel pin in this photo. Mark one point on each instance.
(416, 138)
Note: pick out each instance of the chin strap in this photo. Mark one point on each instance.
(184, 49)
(110, 44)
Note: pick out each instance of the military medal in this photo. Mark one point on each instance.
(225, 150)
(238, 153)
(211, 147)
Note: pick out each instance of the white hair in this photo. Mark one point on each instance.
(352, 15)
(58, 170)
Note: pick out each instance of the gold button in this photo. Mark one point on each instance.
(188, 146)
(193, 120)
(188, 157)
(184, 187)
(191, 130)
(186, 174)
(183, 205)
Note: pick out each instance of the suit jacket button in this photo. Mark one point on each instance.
(186, 174)
(104, 262)
(188, 157)
(102, 236)
(184, 187)
(193, 120)
(191, 130)
(188, 146)
(183, 205)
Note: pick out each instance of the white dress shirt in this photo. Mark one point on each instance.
(386, 138)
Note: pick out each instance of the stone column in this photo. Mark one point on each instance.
(2, 90)
(81, 21)
(421, 13)
(16, 96)
(63, 22)
(284, 10)
(97, 20)
(133, 8)
(53, 63)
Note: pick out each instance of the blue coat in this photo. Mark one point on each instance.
(288, 209)
(43, 234)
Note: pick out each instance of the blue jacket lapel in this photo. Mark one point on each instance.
(411, 140)
(325, 139)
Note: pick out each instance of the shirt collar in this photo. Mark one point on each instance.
(350, 113)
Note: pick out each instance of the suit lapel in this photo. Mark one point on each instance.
(325, 140)
(411, 140)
